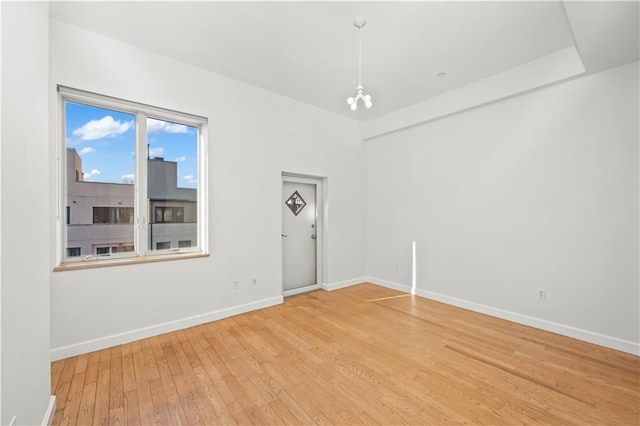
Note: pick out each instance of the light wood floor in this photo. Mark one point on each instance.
(364, 354)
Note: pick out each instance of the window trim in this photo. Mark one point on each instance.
(142, 219)
(115, 261)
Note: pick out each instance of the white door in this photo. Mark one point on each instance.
(299, 237)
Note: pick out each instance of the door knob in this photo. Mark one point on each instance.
(284, 235)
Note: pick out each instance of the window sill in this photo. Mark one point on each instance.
(105, 263)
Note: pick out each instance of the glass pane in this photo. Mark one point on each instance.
(172, 184)
(163, 245)
(121, 249)
(100, 145)
(102, 251)
(168, 215)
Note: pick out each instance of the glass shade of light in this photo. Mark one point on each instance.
(366, 99)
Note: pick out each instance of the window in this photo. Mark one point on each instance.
(109, 250)
(163, 245)
(113, 215)
(169, 214)
(122, 162)
(103, 251)
(121, 249)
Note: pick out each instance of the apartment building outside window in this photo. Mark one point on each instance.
(132, 176)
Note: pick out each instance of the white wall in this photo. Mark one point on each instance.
(537, 191)
(24, 169)
(0, 214)
(254, 135)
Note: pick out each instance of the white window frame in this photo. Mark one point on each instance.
(142, 215)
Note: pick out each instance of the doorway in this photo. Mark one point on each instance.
(301, 236)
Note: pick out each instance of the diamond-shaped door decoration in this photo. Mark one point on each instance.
(295, 203)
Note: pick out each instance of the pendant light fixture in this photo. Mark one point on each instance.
(359, 23)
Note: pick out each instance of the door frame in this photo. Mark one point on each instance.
(318, 182)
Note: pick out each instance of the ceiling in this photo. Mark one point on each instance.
(308, 50)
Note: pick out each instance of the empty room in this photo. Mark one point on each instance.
(320, 212)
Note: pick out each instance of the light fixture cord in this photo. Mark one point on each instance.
(359, 58)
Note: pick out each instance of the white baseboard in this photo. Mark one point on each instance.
(361, 280)
(287, 293)
(565, 330)
(51, 410)
(343, 284)
(142, 333)
(389, 284)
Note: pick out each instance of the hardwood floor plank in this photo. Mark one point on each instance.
(56, 374)
(87, 403)
(210, 379)
(145, 403)
(160, 402)
(116, 388)
(168, 385)
(72, 407)
(128, 368)
(64, 383)
(360, 355)
(131, 408)
(101, 407)
(191, 392)
(81, 365)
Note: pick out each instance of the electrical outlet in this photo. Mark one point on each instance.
(542, 293)
(235, 285)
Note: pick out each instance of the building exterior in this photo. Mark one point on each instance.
(100, 216)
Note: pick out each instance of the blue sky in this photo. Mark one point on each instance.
(104, 139)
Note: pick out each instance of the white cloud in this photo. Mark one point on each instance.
(190, 178)
(106, 127)
(181, 159)
(92, 173)
(156, 152)
(130, 178)
(157, 126)
(86, 150)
